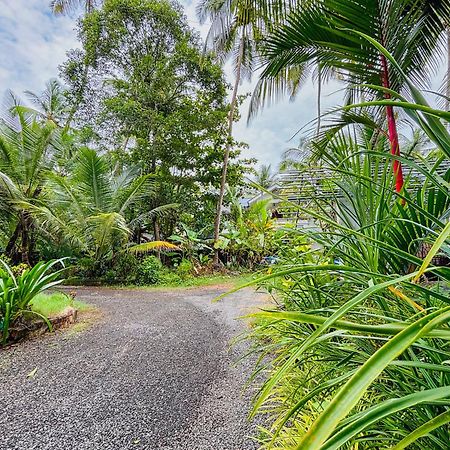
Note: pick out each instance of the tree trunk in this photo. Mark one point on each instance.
(89, 7)
(25, 247)
(157, 234)
(392, 128)
(319, 97)
(227, 152)
(12, 241)
(447, 81)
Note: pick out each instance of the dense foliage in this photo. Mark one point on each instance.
(135, 154)
(128, 152)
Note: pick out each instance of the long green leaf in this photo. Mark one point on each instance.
(349, 395)
(423, 430)
(385, 409)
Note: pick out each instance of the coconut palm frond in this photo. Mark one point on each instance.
(152, 247)
(160, 212)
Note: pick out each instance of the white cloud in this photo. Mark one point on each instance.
(33, 44)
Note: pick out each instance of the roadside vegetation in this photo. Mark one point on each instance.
(127, 168)
(54, 304)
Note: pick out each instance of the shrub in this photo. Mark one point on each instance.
(185, 268)
(85, 268)
(170, 278)
(17, 292)
(149, 270)
(124, 269)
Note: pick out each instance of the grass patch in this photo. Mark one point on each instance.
(204, 280)
(51, 305)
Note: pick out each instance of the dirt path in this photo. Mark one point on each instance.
(153, 373)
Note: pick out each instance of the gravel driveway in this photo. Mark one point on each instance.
(154, 372)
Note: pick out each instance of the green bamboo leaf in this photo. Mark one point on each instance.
(390, 329)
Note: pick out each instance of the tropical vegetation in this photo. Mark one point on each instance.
(128, 168)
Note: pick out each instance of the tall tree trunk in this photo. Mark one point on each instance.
(157, 234)
(89, 7)
(319, 97)
(447, 75)
(26, 230)
(392, 128)
(226, 157)
(10, 246)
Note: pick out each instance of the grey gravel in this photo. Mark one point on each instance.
(154, 372)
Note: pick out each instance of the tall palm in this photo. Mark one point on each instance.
(51, 104)
(233, 35)
(323, 30)
(28, 150)
(66, 6)
(265, 177)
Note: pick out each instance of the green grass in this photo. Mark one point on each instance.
(204, 280)
(51, 305)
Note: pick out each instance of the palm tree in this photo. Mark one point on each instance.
(28, 149)
(323, 31)
(50, 105)
(91, 206)
(66, 6)
(233, 34)
(264, 177)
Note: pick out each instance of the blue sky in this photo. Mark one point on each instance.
(33, 43)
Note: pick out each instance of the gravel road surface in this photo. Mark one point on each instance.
(153, 372)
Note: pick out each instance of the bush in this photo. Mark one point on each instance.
(149, 271)
(124, 269)
(85, 268)
(17, 292)
(185, 268)
(170, 278)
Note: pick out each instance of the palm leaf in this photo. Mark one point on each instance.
(152, 247)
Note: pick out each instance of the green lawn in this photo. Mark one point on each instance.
(205, 280)
(51, 305)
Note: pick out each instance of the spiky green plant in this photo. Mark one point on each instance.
(89, 206)
(358, 355)
(17, 292)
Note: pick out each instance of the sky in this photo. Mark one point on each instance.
(33, 43)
